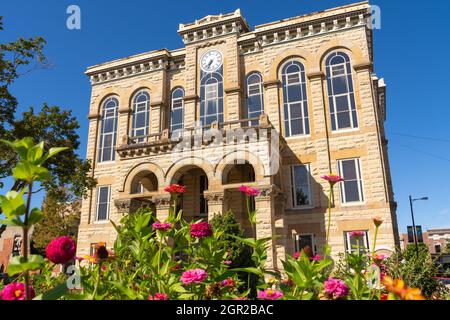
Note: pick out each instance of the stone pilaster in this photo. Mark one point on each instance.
(216, 202)
(162, 205)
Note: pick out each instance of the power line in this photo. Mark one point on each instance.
(424, 152)
(418, 137)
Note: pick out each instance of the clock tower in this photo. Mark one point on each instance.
(213, 75)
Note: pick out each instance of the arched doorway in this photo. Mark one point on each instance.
(192, 202)
(233, 176)
(144, 182)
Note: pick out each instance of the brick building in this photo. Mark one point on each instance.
(436, 239)
(10, 245)
(276, 107)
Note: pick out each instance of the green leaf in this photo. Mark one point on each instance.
(53, 294)
(35, 153)
(20, 146)
(28, 171)
(12, 222)
(18, 264)
(52, 152)
(249, 270)
(36, 215)
(12, 204)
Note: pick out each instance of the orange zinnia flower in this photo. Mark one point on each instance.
(399, 288)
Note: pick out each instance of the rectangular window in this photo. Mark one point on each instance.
(305, 240)
(351, 243)
(301, 185)
(352, 187)
(103, 202)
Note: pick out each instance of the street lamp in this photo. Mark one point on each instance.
(411, 200)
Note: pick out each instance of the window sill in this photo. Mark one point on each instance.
(105, 163)
(300, 208)
(343, 131)
(100, 222)
(299, 136)
(353, 204)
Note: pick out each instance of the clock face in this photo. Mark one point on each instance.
(211, 61)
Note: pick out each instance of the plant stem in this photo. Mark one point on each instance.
(25, 240)
(374, 243)
(97, 280)
(329, 213)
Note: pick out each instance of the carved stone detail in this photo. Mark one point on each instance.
(162, 202)
(268, 192)
(125, 206)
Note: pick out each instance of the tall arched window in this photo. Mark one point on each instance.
(141, 115)
(255, 96)
(296, 120)
(340, 92)
(108, 129)
(177, 110)
(211, 95)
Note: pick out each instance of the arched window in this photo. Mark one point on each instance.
(177, 110)
(141, 115)
(340, 92)
(211, 95)
(108, 130)
(255, 96)
(296, 120)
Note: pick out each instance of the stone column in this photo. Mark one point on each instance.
(216, 202)
(265, 221)
(272, 103)
(162, 205)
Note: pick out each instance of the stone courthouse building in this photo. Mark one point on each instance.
(275, 107)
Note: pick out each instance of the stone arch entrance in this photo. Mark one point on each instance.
(193, 201)
(144, 182)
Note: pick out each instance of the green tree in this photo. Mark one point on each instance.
(60, 219)
(51, 124)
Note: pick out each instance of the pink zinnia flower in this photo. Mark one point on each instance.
(175, 189)
(357, 234)
(379, 257)
(297, 255)
(316, 258)
(200, 230)
(377, 221)
(227, 262)
(193, 275)
(336, 288)
(16, 291)
(61, 250)
(249, 191)
(158, 296)
(332, 178)
(162, 226)
(270, 294)
(228, 282)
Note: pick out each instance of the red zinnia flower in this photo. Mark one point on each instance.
(158, 296)
(201, 230)
(16, 291)
(332, 178)
(357, 234)
(61, 250)
(249, 191)
(175, 189)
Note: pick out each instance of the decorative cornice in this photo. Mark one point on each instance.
(363, 66)
(162, 202)
(93, 116)
(232, 90)
(272, 83)
(316, 75)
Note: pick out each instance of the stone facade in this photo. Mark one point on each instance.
(308, 39)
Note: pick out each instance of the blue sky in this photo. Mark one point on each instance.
(411, 53)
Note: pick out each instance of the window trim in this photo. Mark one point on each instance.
(146, 112)
(293, 187)
(260, 94)
(351, 96)
(348, 247)
(113, 133)
(313, 241)
(97, 203)
(302, 81)
(359, 175)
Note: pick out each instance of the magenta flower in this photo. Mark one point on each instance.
(332, 178)
(61, 250)
(193, 275)
(357, 234)
(270, 294)
(175, 189)
(158, 296)
(16, 291)
(297, 255)
(227, 262)
(249, 191)
(316, 257)
(201, 230)
(229, 282)
(335, 288)
(162, 226)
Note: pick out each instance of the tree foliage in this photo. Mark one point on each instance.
(51, 124)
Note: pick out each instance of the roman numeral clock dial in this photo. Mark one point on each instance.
(211, 61)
